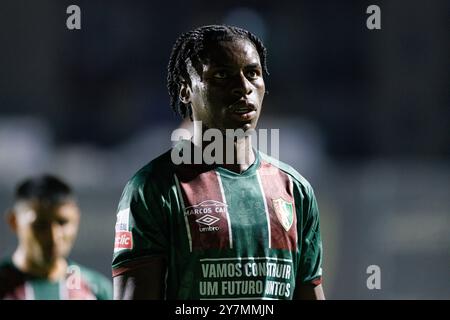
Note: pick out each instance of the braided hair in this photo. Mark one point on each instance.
(189, 46)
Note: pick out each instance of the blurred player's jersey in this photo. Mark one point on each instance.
(80, 283)
(224, 235)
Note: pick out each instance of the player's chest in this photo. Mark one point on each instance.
(222, 213)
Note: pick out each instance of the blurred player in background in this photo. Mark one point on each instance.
(241, 229)
(45, 218)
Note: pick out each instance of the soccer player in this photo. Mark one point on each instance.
(241, 229)
(45, 218)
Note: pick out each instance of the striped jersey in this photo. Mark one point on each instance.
(224, 235)
(79, 283)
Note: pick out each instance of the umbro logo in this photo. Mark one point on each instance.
(207, 214)
(207, 220)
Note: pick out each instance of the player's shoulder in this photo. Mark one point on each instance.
(287, 169)
(101, 285)
(158, 166)
(151, 181)
(157, 169)
(6, 266)
(89, 272)
(5, 262)
(10, 277)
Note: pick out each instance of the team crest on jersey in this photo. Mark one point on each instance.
(284, 211)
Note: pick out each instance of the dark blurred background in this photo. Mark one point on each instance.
(363, 115)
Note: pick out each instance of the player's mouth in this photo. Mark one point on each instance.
(243, 110)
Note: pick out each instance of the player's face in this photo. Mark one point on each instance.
(47, 234)
(229, 91)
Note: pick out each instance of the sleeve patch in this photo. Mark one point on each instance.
(123, 240)
(123, 220)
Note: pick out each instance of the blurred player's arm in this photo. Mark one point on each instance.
(309, 292)
(146, 282)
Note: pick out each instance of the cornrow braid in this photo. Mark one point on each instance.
(189, 46)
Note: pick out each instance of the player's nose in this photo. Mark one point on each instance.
(241, 86)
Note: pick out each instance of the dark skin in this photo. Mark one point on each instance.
(145, 283)
(225, 92)
(231, 74)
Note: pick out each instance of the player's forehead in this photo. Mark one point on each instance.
(231, 53)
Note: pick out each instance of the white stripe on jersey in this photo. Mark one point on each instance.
(265, 208)
(180, 194)
(291, 190)
(29, 292)
(230, 232)
(63, 292)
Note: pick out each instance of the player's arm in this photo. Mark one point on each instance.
(309, 292)
(143, 282)
(140, 249)
(309, 278)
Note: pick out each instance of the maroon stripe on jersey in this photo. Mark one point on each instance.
(17, 293)
(205, 210)
(278, 192)
(316, 281)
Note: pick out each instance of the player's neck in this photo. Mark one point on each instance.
(242, 156)
(52, 271)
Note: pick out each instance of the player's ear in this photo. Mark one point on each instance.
(185, 91)
(11, 219)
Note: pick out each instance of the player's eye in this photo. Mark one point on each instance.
(220, 75)
(62, 222)
(252, 74)
(41, 226)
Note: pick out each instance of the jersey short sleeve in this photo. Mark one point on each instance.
(99, 285)
(310, 270)
(140, 227)
(103, 289)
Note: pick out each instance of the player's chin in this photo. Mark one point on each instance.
(47, 260)
(236, 128)
(248, 127)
